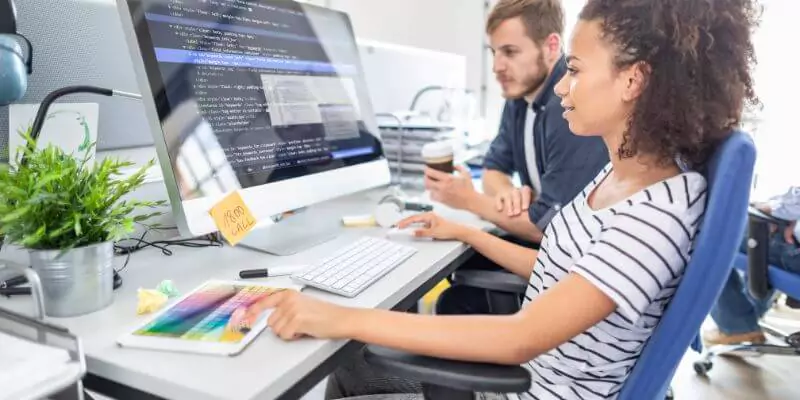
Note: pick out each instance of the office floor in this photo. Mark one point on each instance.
(763, 378)
(732, 378)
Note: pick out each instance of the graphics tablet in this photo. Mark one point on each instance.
(197, 322)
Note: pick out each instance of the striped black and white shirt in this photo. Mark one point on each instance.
(635, 252)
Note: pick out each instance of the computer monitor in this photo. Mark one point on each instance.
(266, 98)
(80, 42)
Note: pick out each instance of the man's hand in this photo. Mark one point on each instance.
(434, 226)
(514, 201)
(295, 315)
(452, 190)
(788, 231)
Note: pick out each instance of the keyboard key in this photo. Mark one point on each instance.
(353, 268)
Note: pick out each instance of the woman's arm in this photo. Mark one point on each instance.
(520, 225)
(515, 258)
(510, 339)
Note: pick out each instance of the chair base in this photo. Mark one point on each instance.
(433, 392)
(704, 365)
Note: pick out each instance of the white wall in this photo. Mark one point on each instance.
(454, 26)
(778, 134)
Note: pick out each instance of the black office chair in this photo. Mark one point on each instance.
(450, 380)
(762, 278)
(504, 290)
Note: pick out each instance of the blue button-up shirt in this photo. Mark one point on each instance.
(566, 162)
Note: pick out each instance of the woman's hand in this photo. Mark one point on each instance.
(295, 315)
(434, 226)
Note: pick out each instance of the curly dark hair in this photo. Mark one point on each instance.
(698, 56)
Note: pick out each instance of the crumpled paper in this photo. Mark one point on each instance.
(168, 288)
(151, 300)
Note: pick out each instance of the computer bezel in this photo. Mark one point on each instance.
(265, 201)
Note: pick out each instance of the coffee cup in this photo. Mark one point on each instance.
(439, 156)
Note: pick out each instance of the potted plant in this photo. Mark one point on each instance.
(67, 212)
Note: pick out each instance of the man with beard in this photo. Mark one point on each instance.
(534, 140)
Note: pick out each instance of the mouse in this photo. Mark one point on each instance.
(404, 234)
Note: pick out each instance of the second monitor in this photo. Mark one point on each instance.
(266, 98)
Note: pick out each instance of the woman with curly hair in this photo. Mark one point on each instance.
(662, 82)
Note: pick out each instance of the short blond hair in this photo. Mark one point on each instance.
(541, 17)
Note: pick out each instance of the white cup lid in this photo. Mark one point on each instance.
(437, 149)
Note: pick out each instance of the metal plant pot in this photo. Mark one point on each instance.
(76, 282)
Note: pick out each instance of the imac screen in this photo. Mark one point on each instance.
(254, 92)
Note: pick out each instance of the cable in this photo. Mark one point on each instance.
(211, 240)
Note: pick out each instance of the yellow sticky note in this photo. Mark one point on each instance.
(233, 219)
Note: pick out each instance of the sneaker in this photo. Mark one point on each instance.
(714, 337)
(785, 308)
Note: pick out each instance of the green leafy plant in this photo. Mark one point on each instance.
(50, 200)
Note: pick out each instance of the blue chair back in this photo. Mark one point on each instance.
(729, 176)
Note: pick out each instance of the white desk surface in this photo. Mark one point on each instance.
(268, 367)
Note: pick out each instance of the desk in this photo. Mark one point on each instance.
(268, 368)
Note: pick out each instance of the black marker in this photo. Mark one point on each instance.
(273, 271)
(15, 281)
(15, 291)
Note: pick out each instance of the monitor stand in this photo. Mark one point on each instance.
(291, 235)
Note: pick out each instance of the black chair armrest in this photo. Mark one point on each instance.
(475, 377)
(758, 251)
(756, 215)
(500, 281)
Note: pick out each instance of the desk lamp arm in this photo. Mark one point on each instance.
(38, 122)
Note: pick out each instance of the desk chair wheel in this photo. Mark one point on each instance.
(793, 340)
(702, 367)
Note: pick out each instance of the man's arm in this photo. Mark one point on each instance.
(786, 206)
(496, 182)
(498, 163)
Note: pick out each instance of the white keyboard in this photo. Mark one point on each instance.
(355, 267)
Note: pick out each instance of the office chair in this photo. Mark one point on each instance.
(504, 290)
(729, 176)
(762, 278)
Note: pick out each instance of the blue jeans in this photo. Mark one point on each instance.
(736, 310)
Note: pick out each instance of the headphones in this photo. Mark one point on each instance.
(390, 210)
(14, 66)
